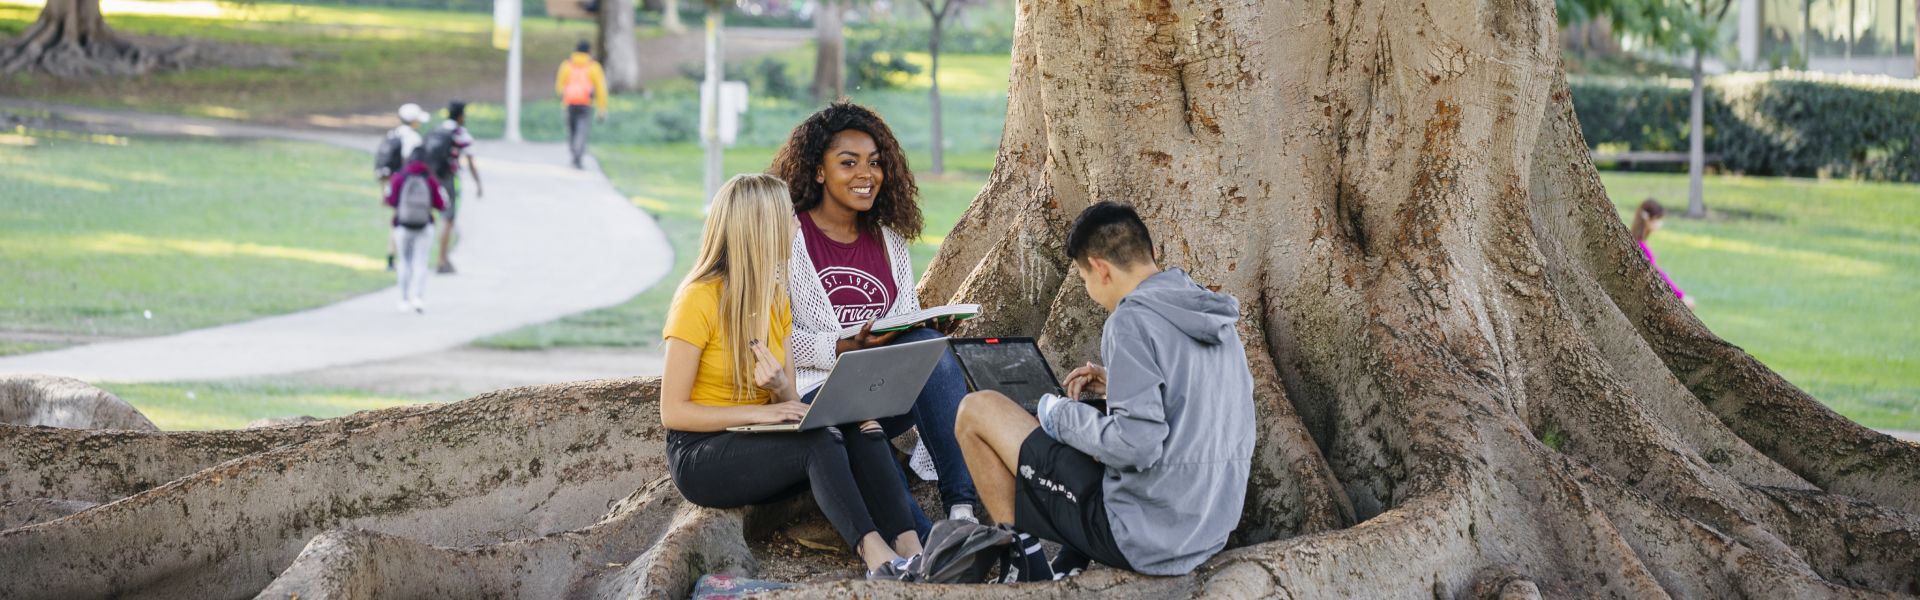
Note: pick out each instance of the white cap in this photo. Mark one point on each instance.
(412, 113)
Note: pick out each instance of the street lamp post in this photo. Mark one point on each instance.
(513, 79)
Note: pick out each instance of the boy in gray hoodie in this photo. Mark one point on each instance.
(1155, 483)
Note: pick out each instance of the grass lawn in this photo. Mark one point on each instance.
(348, 57)
(142, 236)
(1819, 279)
(225, 405)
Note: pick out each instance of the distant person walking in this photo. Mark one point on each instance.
(399, 144)
(581, 84)
(444, 147)
(414, 193)
(1647, 220)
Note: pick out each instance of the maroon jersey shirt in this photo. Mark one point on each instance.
(857, 276)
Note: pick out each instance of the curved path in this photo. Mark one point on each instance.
(546, 241)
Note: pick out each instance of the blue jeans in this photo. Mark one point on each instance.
(933, 413)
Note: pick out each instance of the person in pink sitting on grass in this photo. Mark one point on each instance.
(1645, 222)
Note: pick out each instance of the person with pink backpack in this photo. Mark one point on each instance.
(581, 85)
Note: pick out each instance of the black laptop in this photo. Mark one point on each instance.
(1012, 366)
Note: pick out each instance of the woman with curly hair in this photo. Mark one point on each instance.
(856, 207)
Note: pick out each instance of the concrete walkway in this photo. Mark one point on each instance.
(546, 241)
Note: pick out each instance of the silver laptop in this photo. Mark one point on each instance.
(867, 384)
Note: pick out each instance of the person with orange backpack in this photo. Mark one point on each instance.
(581, 84)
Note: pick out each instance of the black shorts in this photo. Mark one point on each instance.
(1058, 496)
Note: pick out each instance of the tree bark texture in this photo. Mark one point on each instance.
(619, 53)
(830, 51)
(1469, 382)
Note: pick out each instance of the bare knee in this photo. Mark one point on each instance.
(977, 409)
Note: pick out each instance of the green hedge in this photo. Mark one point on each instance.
(1767, 124)
(987, 37)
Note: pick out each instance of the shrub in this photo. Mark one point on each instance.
(1800, 125)
(870, 68)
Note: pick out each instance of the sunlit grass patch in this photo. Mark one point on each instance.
(961, 73)
(225, 405)
(163, 235)
(1818, 279)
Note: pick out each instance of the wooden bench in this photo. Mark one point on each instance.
(1648, 157)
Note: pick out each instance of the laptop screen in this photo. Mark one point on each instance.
(1011, 366)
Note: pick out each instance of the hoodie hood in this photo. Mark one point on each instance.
(579, 58)
(1206, 316)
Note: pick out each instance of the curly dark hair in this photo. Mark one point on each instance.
(898, 205)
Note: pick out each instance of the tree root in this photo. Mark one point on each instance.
(506, 465)
(21, 513)
(70, 40)
(103, 466)
(38, 400)
(674, 543)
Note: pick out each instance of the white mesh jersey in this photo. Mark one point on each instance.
(815, 327)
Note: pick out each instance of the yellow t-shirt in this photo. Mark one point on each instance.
(695, 319)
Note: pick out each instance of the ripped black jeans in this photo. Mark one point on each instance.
(853, 476)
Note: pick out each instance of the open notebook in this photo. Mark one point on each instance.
(950, 312)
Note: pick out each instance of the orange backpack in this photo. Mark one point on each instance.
(579, 90)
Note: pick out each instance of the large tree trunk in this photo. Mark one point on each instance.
(1469, 382)
(71, 40)
(830, 51)
(619, 53)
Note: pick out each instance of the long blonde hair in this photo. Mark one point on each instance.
(746, 245)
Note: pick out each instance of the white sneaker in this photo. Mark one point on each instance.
(419, 306)
(962, 512)
(405, 306)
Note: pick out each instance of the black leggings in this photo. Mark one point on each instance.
(853, 476)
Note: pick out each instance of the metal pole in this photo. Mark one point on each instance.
(710, 125)
(513, 80)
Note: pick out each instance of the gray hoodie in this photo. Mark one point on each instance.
(1177, 441)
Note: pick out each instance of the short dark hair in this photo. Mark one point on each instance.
(583, 46)
(456, 109)
(1111, 231)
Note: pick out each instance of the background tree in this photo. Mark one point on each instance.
(619, 54)
(1469, 383)
(1700, 35)
(939, 11)
(1675, 26)
(830, 50)
(71, 40)
(670, 16)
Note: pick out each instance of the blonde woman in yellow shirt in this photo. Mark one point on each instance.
(726, 340)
